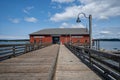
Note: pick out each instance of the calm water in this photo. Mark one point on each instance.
(14, 42)
(110, 45)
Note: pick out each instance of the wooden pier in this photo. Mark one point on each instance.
(35, 65)
(69, 67)
(104, 64)
(57, 62)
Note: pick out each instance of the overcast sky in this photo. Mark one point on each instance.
(19, 18)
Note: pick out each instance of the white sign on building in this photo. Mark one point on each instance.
(39, 37)
(77, 36)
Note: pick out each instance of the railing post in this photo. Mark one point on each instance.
(38, 46)
(82, 50)
(90, 57)
(82, 53)
(25, 49)
(32, 47)
(13, 55)
(29, 47)
(119, 64)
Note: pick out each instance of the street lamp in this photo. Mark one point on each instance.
(90, 26)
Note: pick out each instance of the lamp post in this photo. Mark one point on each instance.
(70, 38)
(90, 26)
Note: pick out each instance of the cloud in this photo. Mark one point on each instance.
(67, 25)
(64, 24)
(61, 27)
(27, 9)
(14, 20)
(31, 19)
(63, 1)
(49, 14)
(118, 33)
(69, 12)
(57, 7)
(77, 26)
(105, 32)
(100, 9)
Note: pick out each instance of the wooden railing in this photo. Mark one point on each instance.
(12, 50)
(104, 64)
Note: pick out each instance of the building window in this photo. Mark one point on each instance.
(85, 41)
(34, 41)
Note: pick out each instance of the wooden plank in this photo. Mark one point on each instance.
(35, 65)
(69, 67)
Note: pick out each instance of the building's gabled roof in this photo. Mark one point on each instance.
(62, 31)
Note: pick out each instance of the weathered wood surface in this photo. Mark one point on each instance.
(13, 50)
(69, 67)
(105, 64)
(35, 65)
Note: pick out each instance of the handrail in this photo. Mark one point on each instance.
(105, 64)
(12, 50)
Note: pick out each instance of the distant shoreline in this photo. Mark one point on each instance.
(106, 39)
(15, 40)
(7, 40)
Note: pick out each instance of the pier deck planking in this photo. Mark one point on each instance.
(35, 65)
(69, 67)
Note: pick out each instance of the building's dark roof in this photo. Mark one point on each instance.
(62, 31)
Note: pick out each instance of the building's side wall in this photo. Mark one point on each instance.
(63, 39)
(75, 39)
(47, 39)
(41, 39)
(31, 39)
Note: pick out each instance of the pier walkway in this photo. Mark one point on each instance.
(69, 67)
(50, 63)
(35, 65)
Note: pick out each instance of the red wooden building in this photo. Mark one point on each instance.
(60, 35)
